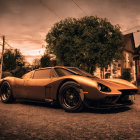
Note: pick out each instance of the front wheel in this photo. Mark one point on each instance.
(71, 97)
(6, 93)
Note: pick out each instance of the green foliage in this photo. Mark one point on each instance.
(126, 74)
(107, 75)
(86, 42)
(19, 71)
(13, 62)
(45, 60)
(36, 63)
(138, 81)
(5, 74)
(53, 62)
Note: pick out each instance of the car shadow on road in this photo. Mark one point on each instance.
(37, 103)
(86, 110)
(106, 111)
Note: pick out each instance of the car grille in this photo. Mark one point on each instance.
(129, 91)
(124, 98)
(110, 99)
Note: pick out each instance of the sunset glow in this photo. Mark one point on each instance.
(25, 23)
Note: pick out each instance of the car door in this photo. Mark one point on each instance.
(37, 87)
(19, 89)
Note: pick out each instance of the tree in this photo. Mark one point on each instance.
(45, 60)
(36, 63)
(13, 62)
(86, 42)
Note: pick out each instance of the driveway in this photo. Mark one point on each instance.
(23, 120)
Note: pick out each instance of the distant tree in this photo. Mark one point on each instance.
(53, 62)
(13, 62)
(85, 42)
(36, 63)
(45, 60)
(19, 71)
(5, 74)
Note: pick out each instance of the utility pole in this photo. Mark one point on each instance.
(2, 56)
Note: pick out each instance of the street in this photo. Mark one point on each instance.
(27, 120)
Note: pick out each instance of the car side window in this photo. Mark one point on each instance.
(53, 74)
(28, 75)
(42, 74)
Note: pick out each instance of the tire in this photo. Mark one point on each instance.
(71, 97)
(6, 93)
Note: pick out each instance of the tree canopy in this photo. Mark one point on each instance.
(13, 62)
(36, 63)
(45, 61)
(85, 42)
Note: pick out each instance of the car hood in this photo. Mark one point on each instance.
(118, 84)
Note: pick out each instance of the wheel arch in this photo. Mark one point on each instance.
(6, 93)
(60, 85)
(1, 82)
(10, 80)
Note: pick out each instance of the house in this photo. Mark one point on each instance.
(137, 62)
(116, 69)
(128, 53)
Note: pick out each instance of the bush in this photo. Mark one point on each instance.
(107, 75)
(138, 81)
(6, 74)
(126, 74)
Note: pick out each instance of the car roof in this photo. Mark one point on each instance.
(55, 67)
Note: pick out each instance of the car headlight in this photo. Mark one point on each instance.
(103, 88)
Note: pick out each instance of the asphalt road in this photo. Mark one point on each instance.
(24, 120)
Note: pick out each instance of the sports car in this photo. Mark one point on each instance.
(70, 87)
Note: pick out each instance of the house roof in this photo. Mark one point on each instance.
(137, 53)
(129, 43)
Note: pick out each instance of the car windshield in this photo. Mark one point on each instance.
(81, 72)
(72, 71)
(63, 72)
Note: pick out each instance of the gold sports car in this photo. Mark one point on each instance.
(70, 87)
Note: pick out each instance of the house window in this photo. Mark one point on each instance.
(119, 65)
(106, 69)
(127, 57)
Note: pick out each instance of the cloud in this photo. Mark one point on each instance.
(32, 54)
(26, 22)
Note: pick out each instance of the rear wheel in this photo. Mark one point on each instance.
(6, 93)
(71, 97)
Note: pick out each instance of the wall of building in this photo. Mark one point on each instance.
(115, 70)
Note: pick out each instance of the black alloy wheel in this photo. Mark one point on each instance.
(71, 97)
(6, 93)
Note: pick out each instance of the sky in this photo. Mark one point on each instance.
(25, 23)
